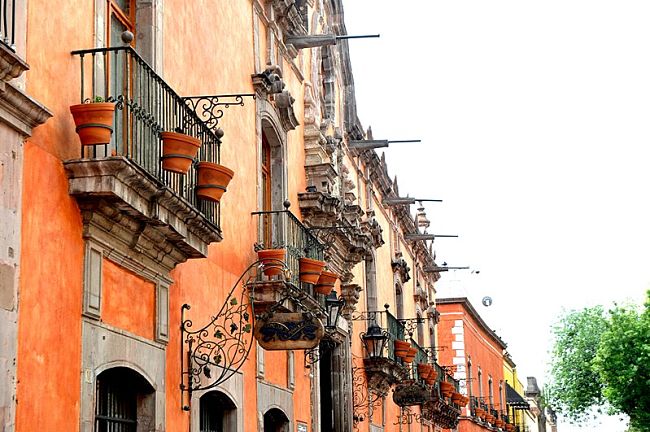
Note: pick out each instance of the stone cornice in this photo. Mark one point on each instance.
(124, 194)
(11, 65)
(19, 110)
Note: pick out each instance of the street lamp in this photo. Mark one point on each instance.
(374, 340)
(333, 306)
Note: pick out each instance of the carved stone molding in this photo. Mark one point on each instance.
(374, 231)
(11, 65)
(21, 111)
(269, 81)
(119, 197)
(284, 104)
(402, 269)
(350, 293)
(288, 17)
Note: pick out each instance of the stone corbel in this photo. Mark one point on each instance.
(400, 267)
(372, 227)
(350, 293)
(288, 17)
(269, 81)
(284, 103)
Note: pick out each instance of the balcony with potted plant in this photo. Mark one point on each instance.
(294, 274)
(149, 166)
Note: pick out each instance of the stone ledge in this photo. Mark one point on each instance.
(149, 215)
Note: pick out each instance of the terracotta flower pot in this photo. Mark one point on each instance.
(401, 345)
(498, 423)
(433, 374)
(423, 370)
(446, 388)
(272, 260)
(310, 270)
(178, 151)
(510, 428)
(326, 282)
(408, 359)
(456, 398)
(94, 122)
(212, 180)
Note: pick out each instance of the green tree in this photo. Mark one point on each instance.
(602, 360)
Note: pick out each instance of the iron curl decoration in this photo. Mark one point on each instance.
(211, 108)
(212, 354)
(363, 400)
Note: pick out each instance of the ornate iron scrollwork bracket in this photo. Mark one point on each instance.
(212, 354)
(313, 356)
(363, 400)
(211, 108)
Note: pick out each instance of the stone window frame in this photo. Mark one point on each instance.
(104, 348)
(233, 388)
(269, 124)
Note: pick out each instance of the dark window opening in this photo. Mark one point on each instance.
(217, 413)
(124, 401)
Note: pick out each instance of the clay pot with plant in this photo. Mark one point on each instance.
(94, 121)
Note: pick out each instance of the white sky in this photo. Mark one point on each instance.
(534, 118)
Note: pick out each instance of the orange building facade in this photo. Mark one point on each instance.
(477, 355)
(133, 297)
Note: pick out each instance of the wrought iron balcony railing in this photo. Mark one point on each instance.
(7, 23)
(282, 230)
(145, 106)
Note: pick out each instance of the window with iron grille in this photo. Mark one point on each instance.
(217, 413)
(122, 401)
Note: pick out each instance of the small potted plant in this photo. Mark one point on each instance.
(178, 151)
(212, 180)
(94, 121)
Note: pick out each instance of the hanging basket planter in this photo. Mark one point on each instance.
(178, 151)
(272, 260)
(310, 270)
(326, 282)
(212, 180)
(94, 122)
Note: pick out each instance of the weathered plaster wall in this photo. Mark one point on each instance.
(128, 301)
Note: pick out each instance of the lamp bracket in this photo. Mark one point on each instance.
(209, 108)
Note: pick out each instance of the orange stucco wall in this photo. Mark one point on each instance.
(484, 351)
(128, 301)
(49, 331)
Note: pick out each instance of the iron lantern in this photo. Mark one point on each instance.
(374, 340)
(333, 306)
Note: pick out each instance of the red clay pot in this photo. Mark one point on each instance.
(94, 122)
(326, 282)
(212, 180)
(272, 260)
(178, 151)
(446, 388)
(310, 270)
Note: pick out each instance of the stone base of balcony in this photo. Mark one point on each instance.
(283, 296)
(382, 373)
(120, 202)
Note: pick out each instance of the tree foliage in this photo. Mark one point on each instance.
(602, 360)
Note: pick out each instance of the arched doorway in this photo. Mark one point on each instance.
(218, 413)
(275, 421)
(124, 402)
